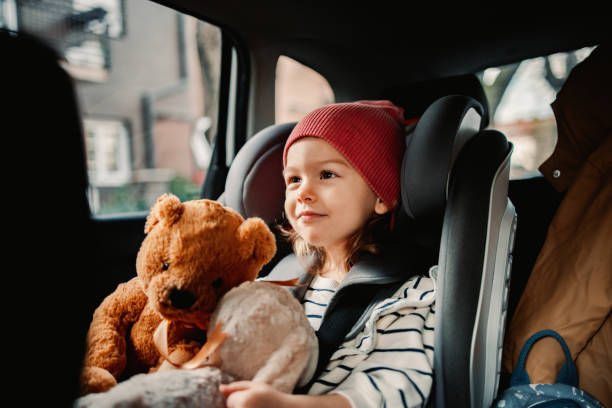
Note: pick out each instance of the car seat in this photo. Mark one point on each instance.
(454, 198)
(478, 226)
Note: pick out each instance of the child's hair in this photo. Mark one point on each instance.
(370, 135)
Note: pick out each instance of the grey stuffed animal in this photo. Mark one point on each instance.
(268, 339)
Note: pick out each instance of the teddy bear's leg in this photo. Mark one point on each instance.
(96, 379)
(108, 334)
(285, 365)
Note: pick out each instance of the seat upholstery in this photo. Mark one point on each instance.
(474, 272)
(254, 184)
(432, 148)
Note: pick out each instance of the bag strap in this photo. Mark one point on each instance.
(568, 373)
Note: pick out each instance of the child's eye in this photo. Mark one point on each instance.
(293, 179)
(326, 174)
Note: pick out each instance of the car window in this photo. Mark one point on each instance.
(519, 97)
(298, 90)
(147, 80)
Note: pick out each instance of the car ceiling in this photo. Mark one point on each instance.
(392, 43)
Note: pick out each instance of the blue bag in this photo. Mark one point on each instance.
(564, 393)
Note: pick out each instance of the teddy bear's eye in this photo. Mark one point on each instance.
(165, 266)
(217, 283)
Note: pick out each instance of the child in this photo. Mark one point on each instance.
(341, 169)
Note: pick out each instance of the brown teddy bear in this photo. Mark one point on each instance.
(266, 337)
(194, 253)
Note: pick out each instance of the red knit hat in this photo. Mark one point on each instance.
(369, 134)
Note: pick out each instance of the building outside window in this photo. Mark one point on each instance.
(108, 151)
(146, 79)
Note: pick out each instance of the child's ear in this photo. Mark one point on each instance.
(380, 207)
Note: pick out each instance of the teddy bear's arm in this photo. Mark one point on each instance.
(108, 331)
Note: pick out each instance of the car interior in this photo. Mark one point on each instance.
(481, 227)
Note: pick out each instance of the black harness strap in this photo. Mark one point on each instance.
(350, 304)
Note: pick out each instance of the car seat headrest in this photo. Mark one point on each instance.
(416, 97)
(431, 149)
(254, 186)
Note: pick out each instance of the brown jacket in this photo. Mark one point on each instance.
(570, 287)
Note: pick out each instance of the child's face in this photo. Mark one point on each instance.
(326, 199)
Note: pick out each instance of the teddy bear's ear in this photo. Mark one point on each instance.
(168, 210)
(257, 241)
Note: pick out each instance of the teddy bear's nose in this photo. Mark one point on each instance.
(181, 299)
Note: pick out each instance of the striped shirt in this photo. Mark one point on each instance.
(390, 363)
(318, 295)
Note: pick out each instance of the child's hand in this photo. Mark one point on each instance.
(249, 394)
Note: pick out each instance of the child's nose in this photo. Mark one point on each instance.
(305, 192)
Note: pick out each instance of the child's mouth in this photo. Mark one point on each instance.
(309, 216)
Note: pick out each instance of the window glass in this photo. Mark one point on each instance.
(519, 97)
(107, 146)
(299, 90)
(8, 14)
(146, 79)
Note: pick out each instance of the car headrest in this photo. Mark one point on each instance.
(431, 149)
(416, 97)
(255, 186)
